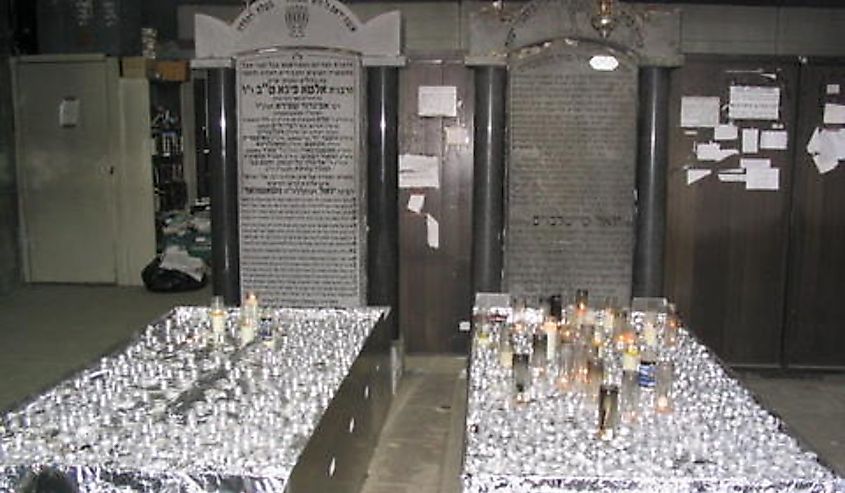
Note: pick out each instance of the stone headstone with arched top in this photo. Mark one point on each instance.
(301, 150)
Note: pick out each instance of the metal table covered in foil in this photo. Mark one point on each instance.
(182, 409)
(718, 438)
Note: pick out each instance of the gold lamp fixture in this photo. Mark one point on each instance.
(604, 21)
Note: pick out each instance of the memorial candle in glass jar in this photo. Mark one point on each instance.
(663, 386)
(249, 319)
(521, 377)
(566, 375)
(608, 415)
(630, 397)
(539, 343)
(218, 318)
(595, 375)
(505, 348)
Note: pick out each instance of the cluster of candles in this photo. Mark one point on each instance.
(251, 323)
(616, 361)
(224, 391)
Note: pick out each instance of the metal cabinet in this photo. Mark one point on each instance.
(85, 179)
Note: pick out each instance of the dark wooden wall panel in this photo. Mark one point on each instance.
(726, 246)
(815, 335)
(435, 284)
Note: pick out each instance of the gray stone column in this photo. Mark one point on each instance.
(652, 160)
(488, 178)
(223, 162)
(382, 191)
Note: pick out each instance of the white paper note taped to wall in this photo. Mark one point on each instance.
(437, 101)
(713, 152)
(417, 171)
(834, 113)
(832, 89)
(432, 231)
(725, 132)
(694, 175)
(825, 164)
(699, 111)
(755, 163)
(827, 147)
(732, 175)
(457, 136)
(754, 103)
(762, 179)
(750, 140)
(774, 139)
(69, 112)
(416, 202)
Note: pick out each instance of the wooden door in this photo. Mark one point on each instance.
(434, 281)
(814, 334)
(726, 246)
(66, 168)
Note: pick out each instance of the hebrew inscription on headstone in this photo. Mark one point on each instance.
(301, 194)
(572, 160)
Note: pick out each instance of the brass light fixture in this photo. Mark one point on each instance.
(503, 12)
(604, 21)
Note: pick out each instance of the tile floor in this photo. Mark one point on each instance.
(811, 404)
(420, 445)
(47, 332)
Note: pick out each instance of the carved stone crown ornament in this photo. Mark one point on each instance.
(265, 24)
(650, 33)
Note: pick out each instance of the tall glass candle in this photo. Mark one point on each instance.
(550, 327)
(566, 375)
(521, 377)
(630, 397)
(663, 387)
(218, 318)
(608, 411)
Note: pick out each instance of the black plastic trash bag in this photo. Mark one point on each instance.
(161, 280)
(49, 481)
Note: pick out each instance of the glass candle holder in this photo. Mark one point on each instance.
(217, 313)
(539, 345)
(595, 376)
(608, 414)
(482, 327)
(630, 397)
(670, 331)
(249, 317)
(664, 375)
(556, 306)
(550, 327)
(582, 299)
(566, 374)
(566, 334)
(582, 354)
(586, 333)
(505, 347)
(521, 377)
(650, 330)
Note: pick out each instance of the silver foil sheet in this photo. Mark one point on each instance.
(181, 409)
(718, 438)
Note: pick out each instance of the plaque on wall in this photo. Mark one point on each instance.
(301, 195)
(571, 171)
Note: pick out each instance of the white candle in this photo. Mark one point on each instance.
(630, 359)
(650, 334)
(551, 340)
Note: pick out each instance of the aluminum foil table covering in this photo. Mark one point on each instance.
(718, 438)
(178, 410)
